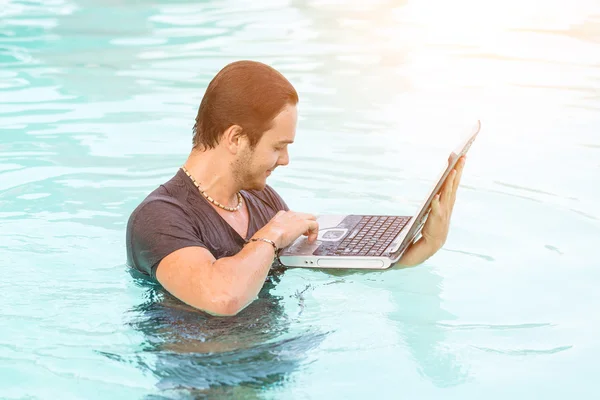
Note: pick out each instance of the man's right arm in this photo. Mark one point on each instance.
(227, 285)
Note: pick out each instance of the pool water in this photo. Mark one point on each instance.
(97, 102)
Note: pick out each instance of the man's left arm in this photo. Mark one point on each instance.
(435, 230)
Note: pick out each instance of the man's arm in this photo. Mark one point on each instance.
(227, 285)
(435, 230)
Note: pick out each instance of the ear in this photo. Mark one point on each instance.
(233, 139)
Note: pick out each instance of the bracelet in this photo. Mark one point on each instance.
(272, 243)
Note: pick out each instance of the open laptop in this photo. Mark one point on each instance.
(367, 241)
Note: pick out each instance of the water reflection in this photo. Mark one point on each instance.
(200, 355)
(419, 317)
(420, 320)
(96, 107)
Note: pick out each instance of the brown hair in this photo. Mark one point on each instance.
(245, 93)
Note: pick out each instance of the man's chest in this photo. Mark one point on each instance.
(239, 221)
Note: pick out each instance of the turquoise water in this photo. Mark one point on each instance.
(97, 102)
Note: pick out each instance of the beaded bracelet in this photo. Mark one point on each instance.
(272, 243)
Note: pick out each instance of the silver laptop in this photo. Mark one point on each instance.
(367, 241)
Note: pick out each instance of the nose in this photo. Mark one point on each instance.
(284, 158)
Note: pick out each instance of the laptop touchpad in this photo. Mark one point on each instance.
(332, 235)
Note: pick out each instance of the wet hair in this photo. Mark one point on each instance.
(245, 93)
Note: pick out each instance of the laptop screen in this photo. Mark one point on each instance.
(417, 223)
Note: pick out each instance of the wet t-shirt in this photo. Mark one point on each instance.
(176, 215)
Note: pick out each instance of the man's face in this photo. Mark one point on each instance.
(253, 166)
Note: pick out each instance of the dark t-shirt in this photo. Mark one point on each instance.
(176, 215)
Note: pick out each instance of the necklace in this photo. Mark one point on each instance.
(213, 201)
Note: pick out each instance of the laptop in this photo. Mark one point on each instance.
(367, 241)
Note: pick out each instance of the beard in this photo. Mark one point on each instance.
(246, 174)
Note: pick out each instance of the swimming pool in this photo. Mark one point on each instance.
(97, 101)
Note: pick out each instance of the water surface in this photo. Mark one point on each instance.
(97, 102)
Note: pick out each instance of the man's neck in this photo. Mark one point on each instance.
(212, 171)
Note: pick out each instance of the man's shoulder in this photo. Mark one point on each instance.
(165, 199)
(157, 199)
(162, 223)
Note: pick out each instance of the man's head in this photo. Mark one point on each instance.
(249, 111)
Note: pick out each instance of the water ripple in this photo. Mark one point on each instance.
(97, 100)
(525, 352)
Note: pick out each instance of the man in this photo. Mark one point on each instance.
(210, 234)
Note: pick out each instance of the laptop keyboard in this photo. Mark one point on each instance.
(370, 237)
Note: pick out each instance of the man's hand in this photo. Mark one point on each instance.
(287, 226)
(435, 230)
(437, 225)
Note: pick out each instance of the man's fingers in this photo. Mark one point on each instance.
(299, 215)
(313, 227)
(312, 237)
(460, 166)
(435, 204)
(307, 216)
(312, 231)
(446, 193)
(459, 170)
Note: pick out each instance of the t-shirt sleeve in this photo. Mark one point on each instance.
(157, 229)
